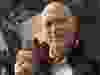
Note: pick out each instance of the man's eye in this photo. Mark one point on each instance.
(49, 24)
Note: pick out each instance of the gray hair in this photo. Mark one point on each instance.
(51, 6)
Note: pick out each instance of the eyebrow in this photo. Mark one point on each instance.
(58, 20)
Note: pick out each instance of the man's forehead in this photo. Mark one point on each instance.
(59, 19)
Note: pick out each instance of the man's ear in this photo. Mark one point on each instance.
(36, 35)
(76, 23)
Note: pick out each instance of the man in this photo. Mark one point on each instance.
(56, 28)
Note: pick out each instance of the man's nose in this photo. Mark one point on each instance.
(52, 32)
(53, 28)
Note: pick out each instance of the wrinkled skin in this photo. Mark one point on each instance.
(55, 29)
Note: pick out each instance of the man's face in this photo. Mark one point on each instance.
(62, 30)
(56, 27)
